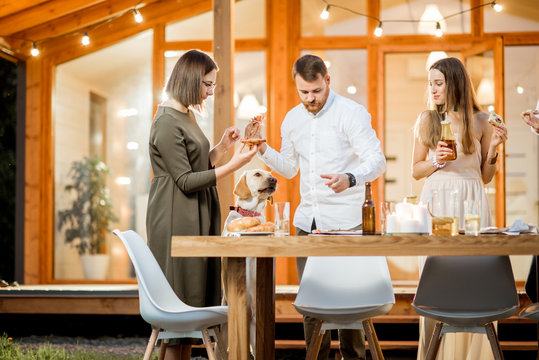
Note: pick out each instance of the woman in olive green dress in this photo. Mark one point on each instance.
(183, 195)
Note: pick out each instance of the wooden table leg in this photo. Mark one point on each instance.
(238, 324)
(265, 309)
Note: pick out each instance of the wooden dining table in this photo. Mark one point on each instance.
(235, 250)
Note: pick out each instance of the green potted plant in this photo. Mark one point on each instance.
(87, 221)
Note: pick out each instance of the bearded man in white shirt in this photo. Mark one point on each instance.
(330, 140)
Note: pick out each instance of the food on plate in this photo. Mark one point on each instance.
(496, 120)
(530, 112)
(242, 223)
(266, 227)
(253, 132)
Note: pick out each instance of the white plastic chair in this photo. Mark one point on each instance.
(345, 292)
(161, 308)
(466, 294)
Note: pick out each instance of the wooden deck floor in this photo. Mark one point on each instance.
(123, 300)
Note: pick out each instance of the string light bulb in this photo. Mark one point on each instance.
(85, 39)
(378, 31)
(438, 32)
(496, 7)
(138, 16)
(520, 89)
(35, 50)
(324, 15)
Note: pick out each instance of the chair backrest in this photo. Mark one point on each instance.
(467, 283)
(345, 282)
(154, 289)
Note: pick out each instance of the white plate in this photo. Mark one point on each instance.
(254, 233)
(337, 232)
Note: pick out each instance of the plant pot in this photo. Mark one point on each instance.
(95, 267)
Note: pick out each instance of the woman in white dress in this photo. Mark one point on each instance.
(451, 95)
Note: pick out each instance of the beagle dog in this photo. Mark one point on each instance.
(252, 191)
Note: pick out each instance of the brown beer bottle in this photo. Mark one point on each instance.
(449, 138)
(369, 222)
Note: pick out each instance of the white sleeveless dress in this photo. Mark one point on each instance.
(463, 174)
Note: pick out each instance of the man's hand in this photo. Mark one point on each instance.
(531, 117)
(336, 182)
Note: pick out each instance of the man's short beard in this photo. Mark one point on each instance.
(309, 107)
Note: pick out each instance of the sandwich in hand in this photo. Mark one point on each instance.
(253, 132)
(496, 120)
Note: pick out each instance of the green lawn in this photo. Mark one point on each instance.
(10, 350)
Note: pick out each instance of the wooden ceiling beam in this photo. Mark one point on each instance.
(11, 7)
(42, 13)
(80, 20)
(165, 11)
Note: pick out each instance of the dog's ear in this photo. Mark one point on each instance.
(241, 189)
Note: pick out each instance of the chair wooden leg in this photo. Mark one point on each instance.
(435, 340)
(221, 353)
(374, 345)
(494, 343)
(162, 349)
(151, 344)
(208, 344)
(316, 340)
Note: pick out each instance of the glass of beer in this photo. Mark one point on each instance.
(444, 208)
(472, 218)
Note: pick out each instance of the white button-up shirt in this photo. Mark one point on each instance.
(338, 139)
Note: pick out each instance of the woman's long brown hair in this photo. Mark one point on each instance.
(460, 95)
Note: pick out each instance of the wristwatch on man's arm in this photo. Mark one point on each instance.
(352, 179)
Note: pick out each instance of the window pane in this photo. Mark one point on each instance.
(393, 12)
(103, 107)
(522, 166)
(339, 21)
(517, 15)
(351, 84)
(250, 98)
(249, 16)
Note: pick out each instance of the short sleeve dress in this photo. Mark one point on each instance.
(183, 201)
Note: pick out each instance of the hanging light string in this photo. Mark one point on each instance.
(379, 30)
(85, 40)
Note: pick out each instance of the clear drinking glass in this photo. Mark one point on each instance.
(386, 209)
(472, 217)
(282, 218)
(444, 207)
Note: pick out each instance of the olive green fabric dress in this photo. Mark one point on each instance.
(183, 201)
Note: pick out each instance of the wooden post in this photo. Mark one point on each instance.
(223, 114)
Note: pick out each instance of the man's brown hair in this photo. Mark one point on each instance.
(185, 81)
(308, 67)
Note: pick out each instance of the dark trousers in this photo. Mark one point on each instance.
(351, 342)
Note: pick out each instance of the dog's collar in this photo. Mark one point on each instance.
(244, 212)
